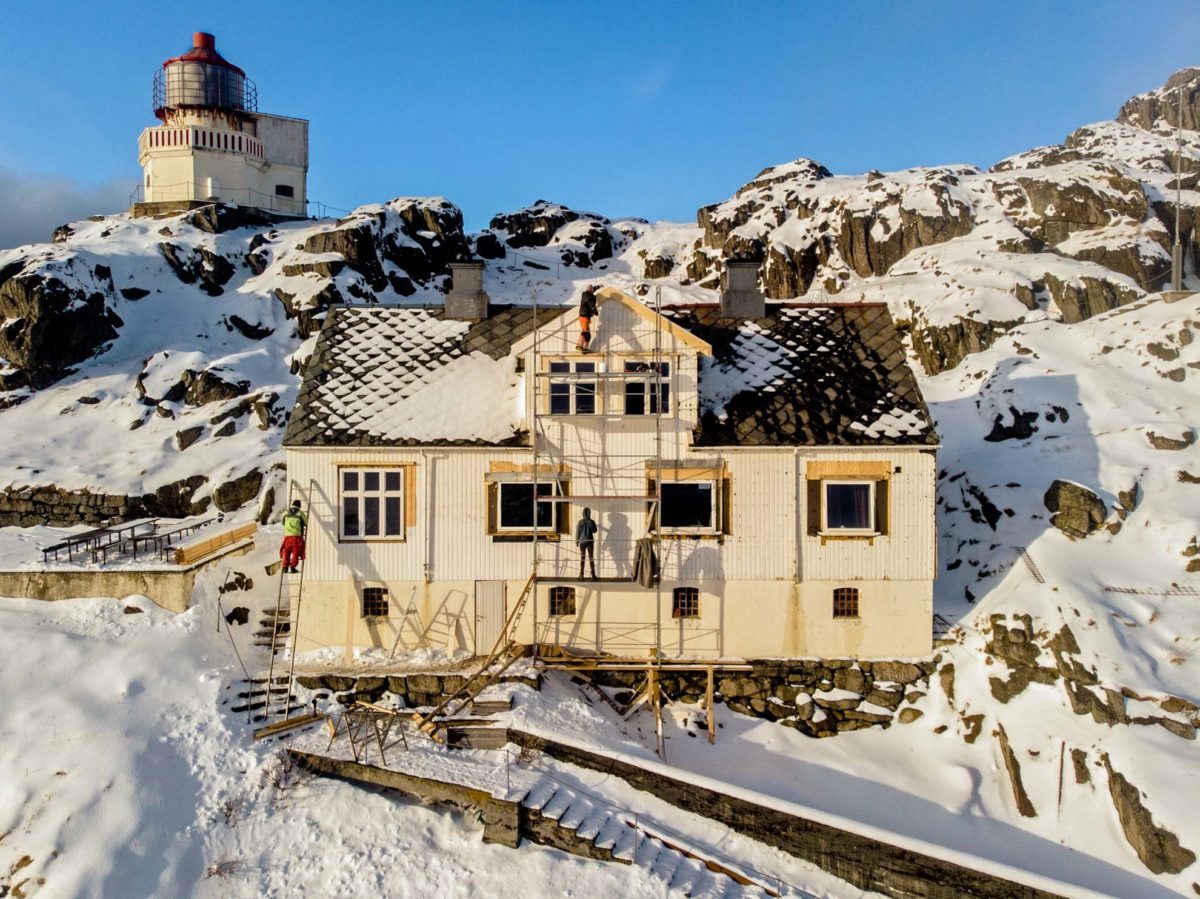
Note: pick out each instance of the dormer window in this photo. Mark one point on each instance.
(641, 398)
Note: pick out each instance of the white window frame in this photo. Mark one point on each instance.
(847, 482)
(555, 490)
(360, 493)
(648, 380)
(715, 527)
(572, 381)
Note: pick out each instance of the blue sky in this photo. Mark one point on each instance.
(648, 109)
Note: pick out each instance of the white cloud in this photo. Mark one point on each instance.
(32, 206)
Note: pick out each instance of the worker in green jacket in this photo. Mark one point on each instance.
(295, 526)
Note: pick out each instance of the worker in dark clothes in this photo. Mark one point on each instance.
(295, 526)
(587, 311)
(585, 539)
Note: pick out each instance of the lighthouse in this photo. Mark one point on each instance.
(214, 146)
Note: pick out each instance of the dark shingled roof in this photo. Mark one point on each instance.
(807, 375)
(368, 358)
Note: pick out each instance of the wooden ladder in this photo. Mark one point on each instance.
(279, 697)
(504, 653)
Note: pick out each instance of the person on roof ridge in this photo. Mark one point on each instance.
(295, 525)
(587, 311)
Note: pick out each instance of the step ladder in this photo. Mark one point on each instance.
(504, 653)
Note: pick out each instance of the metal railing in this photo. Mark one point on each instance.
(200, 84)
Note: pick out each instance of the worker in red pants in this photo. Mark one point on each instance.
(295, 525)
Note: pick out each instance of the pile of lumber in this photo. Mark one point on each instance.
(209, 541)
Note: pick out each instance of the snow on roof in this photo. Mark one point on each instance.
(383, 376)
(806, 375)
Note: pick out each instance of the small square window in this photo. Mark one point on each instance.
(685, 602)
(562, 601)
(283, 190)
(375, 602)
(845, 602)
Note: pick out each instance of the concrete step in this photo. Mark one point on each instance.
(627, 845)
(541, 793)
(666, 863)
(558, 804)
(576, 813)
(610, 832)
(591, 826)
(688, 875)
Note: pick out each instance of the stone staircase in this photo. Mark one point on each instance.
(564, 818)
(272, 629)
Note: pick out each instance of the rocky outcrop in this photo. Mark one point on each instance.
(1077, 510)
(1158, 848)
(235, 493)
(203, 387)
(1053, 203)
(536, 225)
(209, 270)
(1081, 298)
(1160, 108)
(1020, 796)
(942, 347)
(53, 319)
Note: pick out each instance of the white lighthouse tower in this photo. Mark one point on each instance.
(214, 145)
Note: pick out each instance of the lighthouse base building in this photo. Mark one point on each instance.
(214, 146)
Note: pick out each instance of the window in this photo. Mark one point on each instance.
(849, 506)
(845, 602)
(572, 395)
(284, 190)
(685, 602)
(689, 506)
(514, 506)
(372, 503)
(375, 602)
(562, 601)
(638, 390)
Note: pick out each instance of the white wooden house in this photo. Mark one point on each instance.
(783, 466)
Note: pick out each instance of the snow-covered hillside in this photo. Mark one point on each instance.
(153, 362)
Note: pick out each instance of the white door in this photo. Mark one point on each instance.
(489, 614)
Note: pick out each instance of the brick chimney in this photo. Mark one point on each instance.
(466, 300)
(741, 297)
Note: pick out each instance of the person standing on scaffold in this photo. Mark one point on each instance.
(587, 311)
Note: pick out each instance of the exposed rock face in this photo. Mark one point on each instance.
(1160, 108)
(1024, 805)
(1077, 510)
(536, 225)
(236, 493)
(1085, 296)
(1158, 848)
(50, 322)
(585, 238)
(206, 387)
(204, 267)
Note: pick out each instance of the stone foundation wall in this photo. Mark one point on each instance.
(818, 697)
(416, 690)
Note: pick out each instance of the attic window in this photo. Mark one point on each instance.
(572, 394)
(638, 391)
(284, 190)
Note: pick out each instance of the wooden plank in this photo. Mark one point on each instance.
(817, 470)
(287, 724)
(527, 468)
(410, 495)
(193, 551)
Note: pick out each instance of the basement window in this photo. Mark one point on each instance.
(284, 190)
(375, 602)
(372, 504)
(685, 602)
(689, 507)
(562, 601)
(845, 602)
